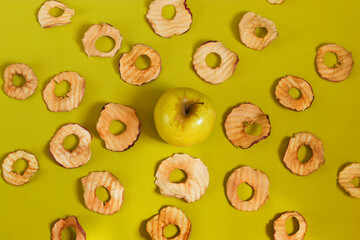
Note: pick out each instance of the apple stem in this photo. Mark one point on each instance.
(190, 106)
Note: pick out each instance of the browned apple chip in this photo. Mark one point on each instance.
(167, 216)
(284, 98)
(247, 27)
(346, 176)
(124, 114)
(29, 86)
(131, 74)
(291, 155)
(80, 155)
(107, 180)
(169, 27)
(343, 67)
(15, 178)
(276, 1)
(61, 224)
(221, 73)
(280, 227)
(46, 20)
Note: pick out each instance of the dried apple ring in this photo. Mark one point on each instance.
(167, 216)
(343, 67)
(61, 224)
(131, 74)
(276, 1)
(239, 118)
(15, 178)
(107, 180)
(167, 28)
(247, 27)
(291, 155)
(29, 86)
(99, 30)
(124, 114)
(46, 20)
(259, 182)
(284, 98)
(346, 176)
(221, 73)
(280, 227)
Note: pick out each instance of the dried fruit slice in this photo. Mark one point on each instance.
(221, 73)
(29, 86)
(167, 28)
(72, 99)
(239, 118)
(124, 114)
(46, 20)
(343, 67)
(276, 1)
(61, 224)
(247, 27)
(169, 215)
(80, 155)
(15, 178)
(291, 155)
(284, 98)
(131, 74)
(99, 30)
(107, 180)
(346, 176)
(280, 227)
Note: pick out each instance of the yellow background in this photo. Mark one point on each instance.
(28, 212)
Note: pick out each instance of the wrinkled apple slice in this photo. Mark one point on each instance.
(346, 176)
(343, 67)
(15, 178)
(124, 114)
(107, 180)
(280, 227)
(61, 224)
(29, 86)
(259, 182)
(276, 1)
(197, 177)
(131, 74)
(291, 155)
(239, 118)
(167, 28)
(247, 27)
(221, 73)
(284, 98)
(46, 20)
(167, 216)
(80, 155)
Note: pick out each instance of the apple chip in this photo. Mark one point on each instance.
(346, 176)
(284, 98)
(29, 86)
(276, 1)
(167, 216)
(247, 27)
(15, 178)
(107, 180)
(342, 68)
(169, 27)
(80, 155)
(131, 74)
(61, 224)
(46, 20)
(280, 227)
(291, 155)
(221, 73)
(242, 116)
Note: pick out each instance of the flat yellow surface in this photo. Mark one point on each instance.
(28, 212)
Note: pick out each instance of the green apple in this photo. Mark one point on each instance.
(184, 117)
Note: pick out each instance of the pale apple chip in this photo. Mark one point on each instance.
(61, 224)
(125, 114)
(29, 86)
(284, 98)
(77, 157)
(242, 116)
(99, 30)
(221, 73)
(346, 176)
(342, 68)
(131, 74)
(247, 27)
(169, 216)
(169, 27)
(276, 1)
(46, 20)
(291, 155)
(107, 180)
(280, 227)
(16, 178)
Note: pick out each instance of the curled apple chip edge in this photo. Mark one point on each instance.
(346, 176)
(280, 227)
(61, 224)
(276, 1)
(46, 20)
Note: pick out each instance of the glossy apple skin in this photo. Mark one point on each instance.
(184, 117)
